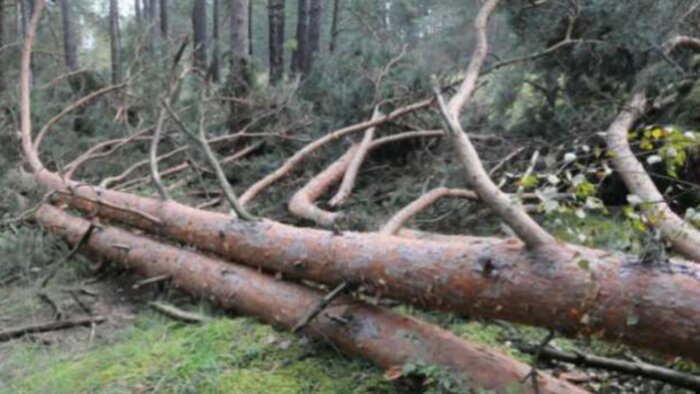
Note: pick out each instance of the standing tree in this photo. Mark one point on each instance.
(115, 41)
(199, 26)
(334, 25)
(70, 46)
(215, 68)
(250, 27)
(302, 37)
(314, 34)
(137, 12)
(240, 39)
(276, 21)
(164, 19)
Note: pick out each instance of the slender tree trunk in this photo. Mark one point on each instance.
(164, 19)
(115, 41)
(334, 25)
(215, 68)
(302, 37)
(314, 39)
(240, 30)
(2, 40)
(250, 27)
(70, 46)
(137, 12)
(199, 26)
(276, 21)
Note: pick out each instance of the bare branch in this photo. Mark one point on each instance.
(400, 218)
(514, 215)
(684, 237)
(298, 157)
(354, 168)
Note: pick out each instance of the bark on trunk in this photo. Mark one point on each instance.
(302, 36)
(315, 17)
(2, 39)
(571, 289)
(240, 29)
(335, 25)
(70, 44)
(164, 19)
(115, 42)
(215, 67)
(199, 27)
(386, 338)
(250, 28)
(276, 26)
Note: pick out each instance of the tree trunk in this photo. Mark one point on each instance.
(137, 12)
(164, 19)
(276, 21)
(250, 27)
(2, 40)
(571, 289)
(26, 12)
(199, 26)
(215, 68)
(70, 40)
(302, 37)
(388, 339)
(334, 25)
(115, 42)
(314, 39)
(240, 29)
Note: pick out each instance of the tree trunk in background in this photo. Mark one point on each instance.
(240, 40)
(70, 46)
(250, 28)
(302, 37)
(115, 41)
(276, 21)
(215, 68)
(2, 39)
(26, 11)
(199, 26)
(164, 19)
(334, 25)
(137, 12)
(314, 39)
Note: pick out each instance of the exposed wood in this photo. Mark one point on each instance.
(683, 236)
(17, 332)
(353, 169)
(384, 337)
(404, 215)
(478, 180)
(304, 152)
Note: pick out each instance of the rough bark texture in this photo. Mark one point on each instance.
(563, 287)
(199, 27)
(164, 19)
(250, 27)
(115, 42)
(302, 36)
(70, 40)
(683, 236)
(386, 338)
(276, 47)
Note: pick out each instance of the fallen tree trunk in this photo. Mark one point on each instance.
(571, 289)
(388, 339)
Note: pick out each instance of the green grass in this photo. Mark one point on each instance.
(156, 355)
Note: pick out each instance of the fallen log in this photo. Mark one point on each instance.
(567, 288)
(386, 338)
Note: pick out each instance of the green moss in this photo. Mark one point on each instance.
(220, 356)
